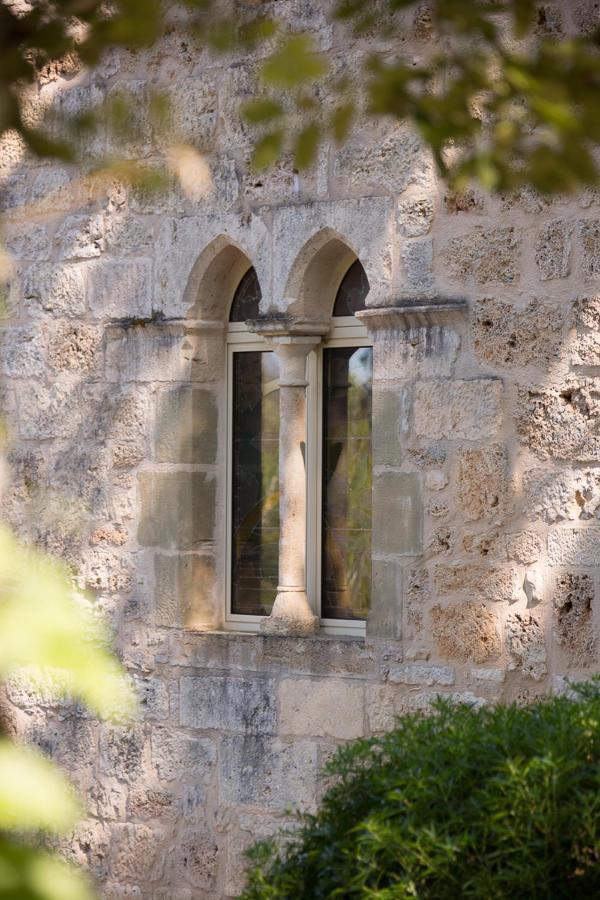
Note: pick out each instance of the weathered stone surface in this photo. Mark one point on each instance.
(557, 495)
(156, 352)
(497, 585)
(483, 483)
(184, 590)
(260, 771)
(589, 242)
(134, 851)
(586, 346)
(80, 237)
(75, 348)
(120, 289)
(573, 618)
(153, 697)
(385, 435)
(55, 411)
(122, 752)
(384, 619)
(466, 632)
(186, 426)
(526, 645)
(564, 424)
(321, 708)
(228, 703)
(177, 509)
(417, 265)
(414, 215)
(524, 546)
(22, 352)
(179, 757)
(398, 519)
(460, 410)
(195, 858)
(484, 256)
(553, 250)
(421, 675)
(505, 335)
(392, 164)
(56, 289)
(574, 547)
(418, 352)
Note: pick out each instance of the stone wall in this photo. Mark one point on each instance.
(486, 499)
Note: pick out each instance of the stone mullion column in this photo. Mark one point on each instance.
(292, 341)
(292, 613)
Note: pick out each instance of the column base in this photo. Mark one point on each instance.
(291, 615)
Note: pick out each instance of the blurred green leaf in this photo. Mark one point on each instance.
(294, 63)
(27, 873)
(307, 143)
(261, 109)
(267, 150)
(33, 793)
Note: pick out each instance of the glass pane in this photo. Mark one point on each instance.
(255, 487)
(352, 292)
(346, 490)
(246, 298)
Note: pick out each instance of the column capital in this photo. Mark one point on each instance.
(284, 326)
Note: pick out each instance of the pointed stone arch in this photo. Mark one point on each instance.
(316, 274)
(214, 278)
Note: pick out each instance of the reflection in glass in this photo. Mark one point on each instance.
(352, 292)
(246, 298)
(255, 488)
(346, 490)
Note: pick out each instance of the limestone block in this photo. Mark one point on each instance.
(466, 632)
(122, 752)
(119, 289)
(574, 547)
(260, 771)
(228, 703)
(54, 288)
(414, 215)
(586, 347)
(146, 352)
(134, 852)
(563, 424)
(154, 803)
(195, 859)
(55, 411)
(554, 496)
(30, 242)
(193, 112)
(589, 243)
(524, 547)
(574, 630)
(152, 696)
(384, 703)
(126, 234)
(526, 645)
(186, 426)
(88, 845)
(392, 163)
(483, 483)
(177, 509)
(417, 265)
(488, 676)
(418, 352)
(22, 352)
(553, 250)
(329, 708)
(134, 98)
(412, 674)
(484, 256)
(467, 410)
(107, 799)
(70, 742)
(384, 619)
(398, 513)
(386, 427)
(75, 348)
(184, 590)
(80, 237)
(108, 571)
(179, 757)
(504, 335)
(490, 584)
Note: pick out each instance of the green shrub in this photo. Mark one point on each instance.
(486, 803)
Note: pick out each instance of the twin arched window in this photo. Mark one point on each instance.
(337, 458)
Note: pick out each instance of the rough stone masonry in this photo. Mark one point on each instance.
(486, 443)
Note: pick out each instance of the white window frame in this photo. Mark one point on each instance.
(345, 331)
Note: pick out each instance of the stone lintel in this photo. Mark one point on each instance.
(412, 312)
(157, 326)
